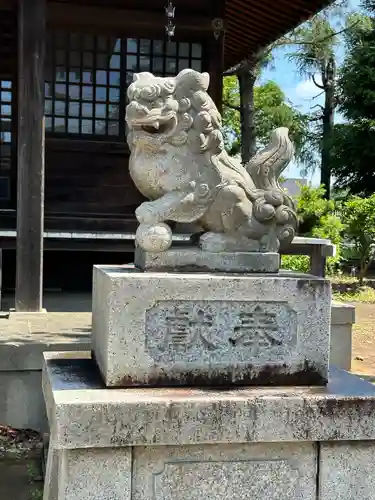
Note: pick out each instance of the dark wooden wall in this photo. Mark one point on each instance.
(88, 186)
(87, 183)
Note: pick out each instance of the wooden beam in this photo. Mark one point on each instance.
(30, 169)
(106, 17)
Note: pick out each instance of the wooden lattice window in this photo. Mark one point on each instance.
(87, 77)
(160, 57)
(6, 102)
(82, 90)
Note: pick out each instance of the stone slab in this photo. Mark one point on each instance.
(347, 471)
(152, 329)
(84, 414)
(269, 471)
(342, 313)
(104, 474)
(21, 359)
(27, 315)
(22, 343)
(193, 259)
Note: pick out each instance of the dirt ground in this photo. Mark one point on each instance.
(364, 339)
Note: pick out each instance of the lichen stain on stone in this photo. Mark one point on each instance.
(312, 286)
(351, 408)
(269, 375)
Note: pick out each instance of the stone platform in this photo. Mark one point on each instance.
(188, 329)
(182, 259)
(287, 443)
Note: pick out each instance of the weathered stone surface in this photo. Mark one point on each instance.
(84, 414)
(194, 259)
(259, 471)
(51, 479)
(209, 329)
(103, 474)
(154, 237)
(347, 471)
(342, 320)
(21, 398)
(178, 160)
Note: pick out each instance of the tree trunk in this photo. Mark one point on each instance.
(246, 79)
(328, 124)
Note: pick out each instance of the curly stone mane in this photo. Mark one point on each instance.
(200, 124)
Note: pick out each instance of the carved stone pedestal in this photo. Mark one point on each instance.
(289, 443)
(211, 329)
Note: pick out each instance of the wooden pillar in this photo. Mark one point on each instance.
(30, 155)
(215, 52)
(216, 69)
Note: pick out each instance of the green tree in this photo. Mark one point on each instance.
(245, 75)
(358, 216)
(271, 110)
(315, 55)
(353, 149)
(311, 207)
(357, 76)
(247, 72)
(317, 218)
(353, 155)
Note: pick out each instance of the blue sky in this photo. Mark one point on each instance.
(300, 91)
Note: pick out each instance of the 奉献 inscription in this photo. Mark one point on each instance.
(258, 327)
(186, 330)
(183, 329)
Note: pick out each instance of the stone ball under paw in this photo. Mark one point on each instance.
(154, 237)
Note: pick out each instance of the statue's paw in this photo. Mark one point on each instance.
(270, 242)
(221, 242)
(146, 214)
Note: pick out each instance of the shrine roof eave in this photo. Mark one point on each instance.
(251, 25)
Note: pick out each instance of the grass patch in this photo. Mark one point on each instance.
(343, 278)
(364, 294)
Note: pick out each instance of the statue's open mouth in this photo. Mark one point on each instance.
(152, 124)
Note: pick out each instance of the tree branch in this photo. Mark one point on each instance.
(232, 71)
(318, 95)
(255, 58)
(231, 106)
(316, 83)
(318, 106)
(249, 62)
(287, 41)
(315, 119)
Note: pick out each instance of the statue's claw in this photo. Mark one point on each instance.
(147, 214)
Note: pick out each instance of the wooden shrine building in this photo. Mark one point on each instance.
(64, 69)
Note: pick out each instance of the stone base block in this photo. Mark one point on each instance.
(272, 471)
(170, 329)
(194, 259)
(290, 443)
(22, 316)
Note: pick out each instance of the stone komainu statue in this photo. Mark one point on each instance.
(179, 163)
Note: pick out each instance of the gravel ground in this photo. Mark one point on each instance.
(364, 339)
